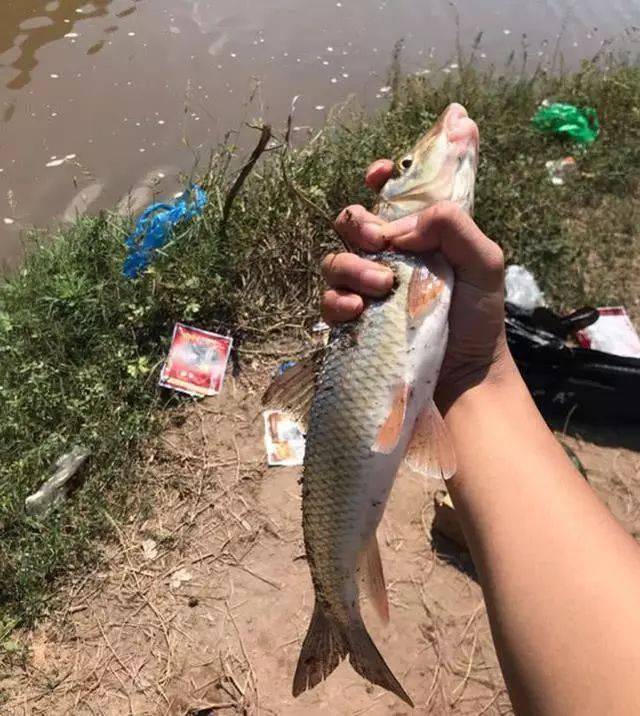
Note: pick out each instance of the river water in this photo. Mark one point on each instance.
(114, 98)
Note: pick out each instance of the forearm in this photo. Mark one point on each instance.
(561, 578)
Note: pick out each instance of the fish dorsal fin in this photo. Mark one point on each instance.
(292, 390)
(430, 450)
(373, 578)
(391, 430)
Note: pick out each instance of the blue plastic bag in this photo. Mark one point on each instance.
(155, 225)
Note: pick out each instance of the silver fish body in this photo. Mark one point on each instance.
(373, 407)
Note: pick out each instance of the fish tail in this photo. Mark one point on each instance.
(328, 642)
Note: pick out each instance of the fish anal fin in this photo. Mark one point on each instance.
(324, 647)
(430, 450)
(424, 288)
(373, 578)
(391, 430)
(293, 390)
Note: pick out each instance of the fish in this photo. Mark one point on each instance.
(366, 403)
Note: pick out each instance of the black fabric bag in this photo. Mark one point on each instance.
(595, 385)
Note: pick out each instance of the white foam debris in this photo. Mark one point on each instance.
(333, 80)
(54, 76)
(345, 75)
(329, 49)
(131, 34)
(8, 220)
(72, 35)
(55, 162)
(385, 90)
(325, 62)
(161, 121)
(506, 32)
(454, 65)
(233, 54)
(338, 4)
(319, 107)
(142, 149)
(69, 157)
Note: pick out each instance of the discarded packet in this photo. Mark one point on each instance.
(613, 333)
(284, 441)
(197, 361)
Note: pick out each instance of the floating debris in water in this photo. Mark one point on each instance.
(8, 220)
(54, 76)
(319, 107)
(385, 90)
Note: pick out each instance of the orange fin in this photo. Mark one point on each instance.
(391, 429)
(424, 289)
(430, 451)
(373, 578)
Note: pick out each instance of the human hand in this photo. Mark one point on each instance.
(477, 348)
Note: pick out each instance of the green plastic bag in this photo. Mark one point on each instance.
(580, 124)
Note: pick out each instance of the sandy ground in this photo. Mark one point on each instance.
(206, 596)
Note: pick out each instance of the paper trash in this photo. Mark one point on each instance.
(283, 439)
(613, 333)
(197, 361)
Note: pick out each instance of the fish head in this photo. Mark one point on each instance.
(440, 167)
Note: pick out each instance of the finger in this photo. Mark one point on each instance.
(360, 229)
(378, 173)
(340, 306)
(354, 273)
(446, 228)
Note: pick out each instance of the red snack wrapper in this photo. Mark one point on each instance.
(197, 361)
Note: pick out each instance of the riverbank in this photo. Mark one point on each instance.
(81, 346)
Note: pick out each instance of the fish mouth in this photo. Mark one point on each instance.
(462, 131)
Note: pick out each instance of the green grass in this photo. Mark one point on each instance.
(80, 346)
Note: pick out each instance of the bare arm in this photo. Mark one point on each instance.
(560, 576)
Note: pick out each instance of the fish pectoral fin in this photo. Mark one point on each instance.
(373, 578)
(391, 430)
(293, 390)
(430, 450)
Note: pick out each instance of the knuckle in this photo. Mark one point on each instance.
(494, 259)
(446, 213)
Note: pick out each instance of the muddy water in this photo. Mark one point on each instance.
(115, 98)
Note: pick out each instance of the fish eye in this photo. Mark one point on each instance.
(406, 162)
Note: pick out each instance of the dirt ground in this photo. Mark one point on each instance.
(206, 596)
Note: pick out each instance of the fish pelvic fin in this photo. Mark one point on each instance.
(430, 451)
(327, 643)
(324, 647)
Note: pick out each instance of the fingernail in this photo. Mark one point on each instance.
(372, 234)
(401, 227)
(378, 279)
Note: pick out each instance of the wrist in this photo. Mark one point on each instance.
(498, 375)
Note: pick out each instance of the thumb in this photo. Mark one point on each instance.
(445, 227)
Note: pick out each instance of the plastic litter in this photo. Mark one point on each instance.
(284, 441)
(612, 333)
(560, 169)
(522, 289)
(56, 488)
(579, 124)
(197, 361)
(154, 227)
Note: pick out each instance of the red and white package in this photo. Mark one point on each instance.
(197, 361)
(612, 333)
